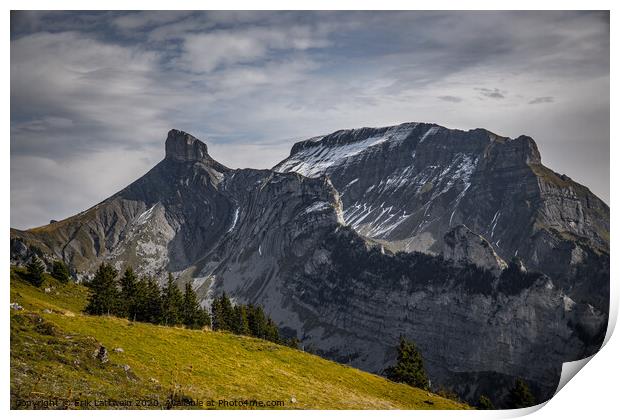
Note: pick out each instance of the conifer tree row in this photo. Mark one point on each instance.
(141, 300)
(245, 320)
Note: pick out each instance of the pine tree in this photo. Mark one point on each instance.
(36, 268)
(484, 403)
(222, 314)
(149, 301)
(60, 271)
(409, 368)
(292, 342)
(257, 321)
(235, 324)
(240, 324)
(190, 306)
(105, 296)
(193, 315)
(520, 395)
(171, 302)
(129, 299)
(202, 318)
(271, 331)
(227, 312)
(216, 314)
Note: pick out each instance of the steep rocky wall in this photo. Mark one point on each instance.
(408, 185)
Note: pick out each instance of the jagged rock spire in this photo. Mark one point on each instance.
(184, 147)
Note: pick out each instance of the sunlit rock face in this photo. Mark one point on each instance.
(461, 245)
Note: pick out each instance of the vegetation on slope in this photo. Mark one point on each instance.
(54, 348)
(142, 300)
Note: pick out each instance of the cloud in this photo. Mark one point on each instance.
(450, 98)
(60, 190)
(94, 93)
(206, 52)
(541, 100)
(140, 20)
(492, 93)
(87, 94)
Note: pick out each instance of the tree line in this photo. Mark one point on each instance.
(142, 300)
(248, 320)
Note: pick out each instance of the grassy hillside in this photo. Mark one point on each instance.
(53, 347)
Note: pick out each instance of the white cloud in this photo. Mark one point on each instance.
(55, 190)
(206, 52)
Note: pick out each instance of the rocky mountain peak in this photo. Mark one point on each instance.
(184, 147)
(529, 149)
(522, 149)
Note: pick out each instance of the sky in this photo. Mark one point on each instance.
(93, 94)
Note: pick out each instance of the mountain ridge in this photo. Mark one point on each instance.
(410, 184)
(300, 247)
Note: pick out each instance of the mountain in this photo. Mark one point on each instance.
(307, 242)
(407, 186)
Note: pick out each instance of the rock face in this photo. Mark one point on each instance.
(461, 245)
(470, 327)
(315, 244)
(410, 184)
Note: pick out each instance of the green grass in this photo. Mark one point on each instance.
(53, 346)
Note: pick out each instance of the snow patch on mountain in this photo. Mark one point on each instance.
(318, 206)
(372, 220)
(429, 132)
(313, 161)
(145, 216)
(234, 222)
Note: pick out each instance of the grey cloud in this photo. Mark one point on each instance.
(450, 98)
(139, 20)
(492, 93)
(541, 100)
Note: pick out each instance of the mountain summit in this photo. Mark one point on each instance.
(462, 241)
(407, 186)
(184, 147)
